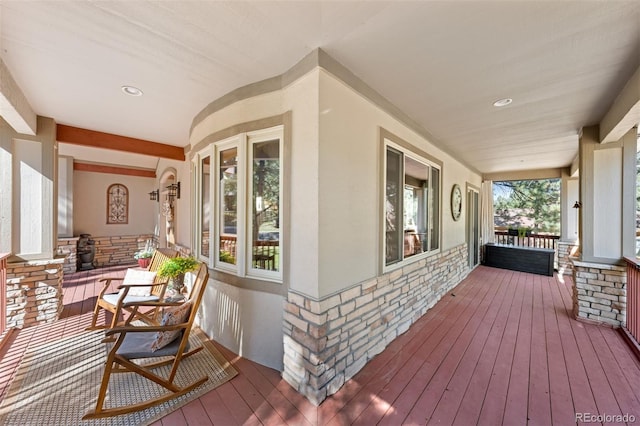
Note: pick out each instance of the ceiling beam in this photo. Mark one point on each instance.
(100, 168)
(94, 139)
(624, 113)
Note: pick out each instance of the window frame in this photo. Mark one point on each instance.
(255, 137)
(434, 202)
(197, 184)
(243, 143)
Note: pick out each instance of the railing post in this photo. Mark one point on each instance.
(633, 297)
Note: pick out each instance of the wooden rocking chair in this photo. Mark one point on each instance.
(113, 302)
(135, 342)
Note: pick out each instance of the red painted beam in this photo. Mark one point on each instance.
(91, 138)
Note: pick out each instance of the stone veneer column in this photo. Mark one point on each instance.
(34, 292)
(566, 250)
(327, 341)
(68, 247)
(599, 292)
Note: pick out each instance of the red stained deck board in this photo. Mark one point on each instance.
(437, 386)
(515, 410)
(539, 409)
(600, 387)
(578, 379)
(284, 408)
(494, 320)
(628, 363)
(195, 414)
(434, 351)
(616, 377)
(528, 326)
(396, 355)
(398, 393)
(473, 397)
(216, 410)
(239, 409)
(562, 409)
(174, 419)
(378, 394)
(492, 410)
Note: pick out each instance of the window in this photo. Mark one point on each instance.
(412, 205)
(245, 184)
(205, 205)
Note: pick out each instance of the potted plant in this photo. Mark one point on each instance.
(175, 268)
(143, 257)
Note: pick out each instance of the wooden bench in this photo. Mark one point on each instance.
(519, 258)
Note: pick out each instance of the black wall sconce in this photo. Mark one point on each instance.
(173, 191)
(577, 205)
(155, 195)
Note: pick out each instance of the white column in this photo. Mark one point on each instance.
(607, 194)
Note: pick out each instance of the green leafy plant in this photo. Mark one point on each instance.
(227, 257)
(143, 254)
(177, 266)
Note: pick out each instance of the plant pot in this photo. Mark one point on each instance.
(176, 283)
(144, 263)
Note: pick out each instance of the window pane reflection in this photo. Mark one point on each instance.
(265, 250)
(228, 190)
(205, 180)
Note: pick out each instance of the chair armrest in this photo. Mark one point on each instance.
(150, 303)
(111, 279)
(121, 286)
(107, 283)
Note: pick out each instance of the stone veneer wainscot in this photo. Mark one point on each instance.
(600, 292)
(34, 292)
(327, 341)
(110, 251)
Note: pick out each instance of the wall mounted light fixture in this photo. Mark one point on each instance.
(577, 205)
(155, 195)
(173, 191)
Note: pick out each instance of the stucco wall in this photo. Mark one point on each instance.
(300, 97)
(335, 178)
(243, 321)
(182, 206)
(90, 204)
(349, 241)
(332, 234)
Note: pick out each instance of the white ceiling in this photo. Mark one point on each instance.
(442, 63)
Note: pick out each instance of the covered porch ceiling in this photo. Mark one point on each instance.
(566, 65)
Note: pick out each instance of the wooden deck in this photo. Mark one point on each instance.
(501, 348)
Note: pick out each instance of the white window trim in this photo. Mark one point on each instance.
(197, 185)
(387, 143)
(243, 142)
(253, 138)
(238, 142)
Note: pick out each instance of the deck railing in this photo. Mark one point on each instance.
(532, 240)
(633, 297)
(3, 291)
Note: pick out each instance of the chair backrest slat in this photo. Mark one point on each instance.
(158, 258)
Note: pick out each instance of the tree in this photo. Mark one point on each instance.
(536, 200)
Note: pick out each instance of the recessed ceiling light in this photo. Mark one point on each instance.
(132, 91)
(502, 102)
